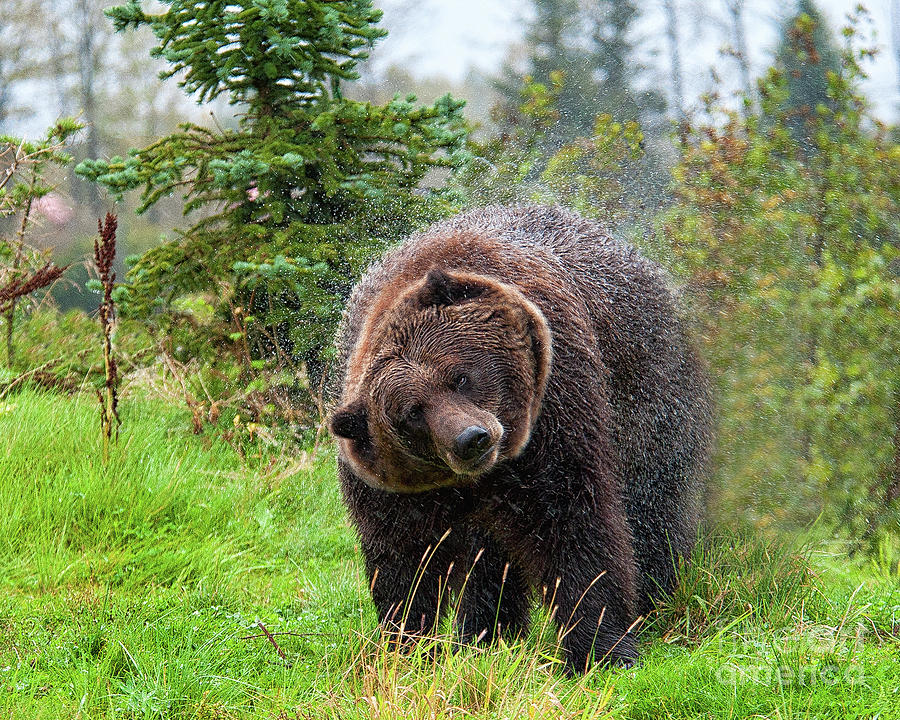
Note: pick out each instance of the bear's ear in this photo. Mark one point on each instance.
(542, 348)
(351, 421)
(443, 288)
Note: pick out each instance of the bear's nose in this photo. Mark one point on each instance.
(471, 442)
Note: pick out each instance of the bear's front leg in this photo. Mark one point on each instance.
(409, 582)
(495, 597)
(410, 550)
(591, 587)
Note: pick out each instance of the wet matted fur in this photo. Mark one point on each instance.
(560, 351)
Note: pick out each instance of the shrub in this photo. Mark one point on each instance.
(788, 245)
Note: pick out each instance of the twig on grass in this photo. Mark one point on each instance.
(271, 639)
(274, 634)
(28, 375)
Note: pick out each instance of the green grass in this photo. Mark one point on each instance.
(135, 591)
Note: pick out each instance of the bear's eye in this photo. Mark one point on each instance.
(414, 414)
(462, 382)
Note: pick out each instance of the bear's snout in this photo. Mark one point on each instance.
(471, 443)
(467, 438)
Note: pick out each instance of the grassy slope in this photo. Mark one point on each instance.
(134, 590)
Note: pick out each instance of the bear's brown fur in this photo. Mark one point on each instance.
(520, 411)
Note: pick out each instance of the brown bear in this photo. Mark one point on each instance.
(521, 413)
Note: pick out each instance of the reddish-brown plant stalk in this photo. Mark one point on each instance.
(20, 287)
(104, 255)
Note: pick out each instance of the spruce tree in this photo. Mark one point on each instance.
(613, 53)
(806, 55)
(297, 199)
(591, 45)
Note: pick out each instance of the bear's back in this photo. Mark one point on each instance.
(551, 255)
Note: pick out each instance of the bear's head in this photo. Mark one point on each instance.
(445, 382)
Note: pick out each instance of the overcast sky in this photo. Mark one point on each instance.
(448, 37)
(452, 37)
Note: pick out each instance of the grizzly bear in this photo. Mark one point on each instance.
(521, 414)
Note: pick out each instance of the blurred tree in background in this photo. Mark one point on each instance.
(591, 46)
(506, 166)
(18, 56)
(789, 245)
(295, 201)
(806, 54)
(621, 74)
(584, 53)
(585, 173)
(555, 57)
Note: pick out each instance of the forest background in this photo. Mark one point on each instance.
(274, 160)
(772, 203)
